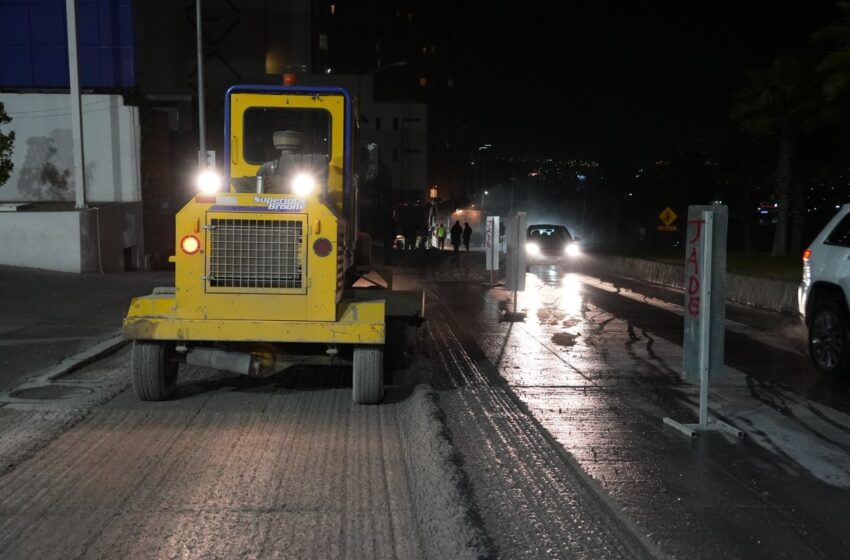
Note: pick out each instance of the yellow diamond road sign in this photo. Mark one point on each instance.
(668, 216)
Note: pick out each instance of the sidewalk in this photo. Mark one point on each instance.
(47, 316)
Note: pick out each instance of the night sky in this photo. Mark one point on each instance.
(623, 80)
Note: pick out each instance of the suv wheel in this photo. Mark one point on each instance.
(829, 345)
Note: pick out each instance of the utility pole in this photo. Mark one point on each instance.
(202, 128)
(76, 105)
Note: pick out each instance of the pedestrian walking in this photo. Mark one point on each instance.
(441, 236)
(408, 230)
(456, 233)
(467, 234)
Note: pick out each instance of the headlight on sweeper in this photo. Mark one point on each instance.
(572, 250)
(208, 181)
(303, 184)
(532, 248)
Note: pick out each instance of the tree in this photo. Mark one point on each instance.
(782, 103)
(6, 143)
(834, 67)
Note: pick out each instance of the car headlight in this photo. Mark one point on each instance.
(572, 250)
(303, 184)
(532, 248)
(208, 181)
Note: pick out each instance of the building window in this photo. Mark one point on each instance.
(423, 82)
(377, 123)
(395, 154)
(395, 123)
(333, 9)
(450, 83)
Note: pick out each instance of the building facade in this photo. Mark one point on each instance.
(138, 72)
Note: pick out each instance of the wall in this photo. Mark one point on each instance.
(47, 240)
(86, 240)
(766, 293)
(43, 150)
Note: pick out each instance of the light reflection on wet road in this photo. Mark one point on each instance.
(599, 371)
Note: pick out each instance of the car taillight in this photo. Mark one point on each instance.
(806, 254)
(190, 244)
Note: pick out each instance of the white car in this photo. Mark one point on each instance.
(824, 294)
(550, 244)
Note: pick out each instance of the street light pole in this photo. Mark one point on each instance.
(583, 180)
(483, 219)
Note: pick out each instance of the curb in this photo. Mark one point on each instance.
(80, 359)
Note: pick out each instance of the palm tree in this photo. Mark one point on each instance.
(781, 104)
(834, 67)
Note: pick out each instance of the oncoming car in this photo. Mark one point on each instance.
(550, 244)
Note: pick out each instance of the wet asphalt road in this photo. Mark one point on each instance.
(555, 424)
(597, 366)
(233, 467)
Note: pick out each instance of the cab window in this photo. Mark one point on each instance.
(260, 124)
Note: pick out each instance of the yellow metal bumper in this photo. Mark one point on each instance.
(154, 317)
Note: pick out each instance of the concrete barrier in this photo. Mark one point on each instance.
(765, 293)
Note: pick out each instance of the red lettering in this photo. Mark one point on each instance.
(694, 258)
(693, 284)
(698, 229)
(693, 306)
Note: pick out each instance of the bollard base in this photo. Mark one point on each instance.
(713, 424)
(513, 317)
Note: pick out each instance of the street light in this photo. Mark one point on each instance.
(396, 64)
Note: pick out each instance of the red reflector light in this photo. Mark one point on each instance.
(322, 247)
(190, 244)
(806, 254)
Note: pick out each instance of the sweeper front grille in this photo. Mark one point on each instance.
(255, 253)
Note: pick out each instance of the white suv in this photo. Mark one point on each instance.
(824, 294)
